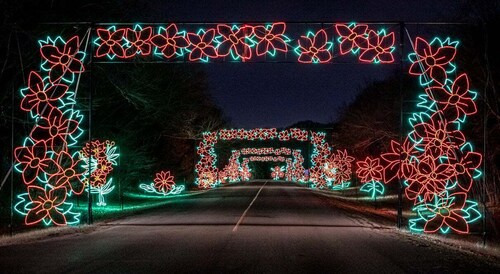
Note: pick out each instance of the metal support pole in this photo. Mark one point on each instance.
(401, 73)
(11, 224)
(90, 127)
(484, 192)
(119, 179)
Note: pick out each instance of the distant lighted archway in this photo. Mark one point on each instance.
(237, 170)
(207, 170)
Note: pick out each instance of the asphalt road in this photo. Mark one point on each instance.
(246, 228)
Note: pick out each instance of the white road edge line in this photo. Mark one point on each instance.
(250, 205)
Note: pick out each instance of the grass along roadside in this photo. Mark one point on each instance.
(388, 216)
(101, 215)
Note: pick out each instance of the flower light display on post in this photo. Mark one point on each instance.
(321, 152)
(338, 170)
(62, 60)
(245, 171)
(370, 172)
(99, 157)
(205, 168)
(435, 161)
(163, 184)
(432, 62)
(48, 167)
(233, 169)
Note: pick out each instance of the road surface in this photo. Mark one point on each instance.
(260, 227)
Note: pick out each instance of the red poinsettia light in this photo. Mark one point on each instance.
(46, 204)
(202, 45)
(448, 212)
(62, 59)
(271, 39)
(234, 40)
(351, 37)
(138, 41)
(369, 169)
(438, 136)
(343, 173)
(284, 135)
(202, 149)
(164, 182)
(456, 102)
(170, 42)
(378, 48)
(317, 139)
(432, 60)
(97, 179)
(111, 42)
(464, 166)
(54, 128)
(69, 174)
(33, 160)
(398, 162)
(342, 158)
(314, 48)
(430, 177)
(241, 134)
(210, 138)
(39, 96)
(298, 134)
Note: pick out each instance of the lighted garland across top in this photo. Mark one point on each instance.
(267, 159)
(243, 42)
(266, 151)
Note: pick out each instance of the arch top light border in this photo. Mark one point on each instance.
(250, 42)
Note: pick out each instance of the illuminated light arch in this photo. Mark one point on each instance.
(447, 101)
(237, 170)
(207, 170)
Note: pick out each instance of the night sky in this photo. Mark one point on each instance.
(276, 95)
